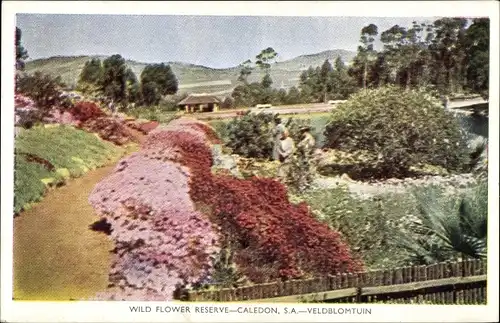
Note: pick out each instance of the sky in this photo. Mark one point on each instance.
(213, 41)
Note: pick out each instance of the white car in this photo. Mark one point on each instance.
(333, 102)
(263, 106)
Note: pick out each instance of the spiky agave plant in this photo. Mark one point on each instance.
(448, 230)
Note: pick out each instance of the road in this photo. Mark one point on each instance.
(293, 109)
(321, 107)
(461, 104)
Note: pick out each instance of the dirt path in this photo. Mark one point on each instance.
(56, 255)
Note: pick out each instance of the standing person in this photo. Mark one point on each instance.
(111, 107)
(278, 131)
(286, 148)
(307, 142)
(305, 160)
(285, 154)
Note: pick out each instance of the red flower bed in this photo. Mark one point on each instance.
(108, 129)
(143, 126)
(84, 111)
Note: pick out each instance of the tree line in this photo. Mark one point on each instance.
(110, 80)
(114, 80)
(450, 55)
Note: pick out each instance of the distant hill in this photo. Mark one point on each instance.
(304, 61)
(196, 78)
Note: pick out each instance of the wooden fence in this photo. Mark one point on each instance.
(443, 283)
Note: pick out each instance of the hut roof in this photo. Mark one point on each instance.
(200, 99)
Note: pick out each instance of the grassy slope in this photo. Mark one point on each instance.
(287, 71)
(65, 148)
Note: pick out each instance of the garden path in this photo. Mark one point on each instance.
(56, 255)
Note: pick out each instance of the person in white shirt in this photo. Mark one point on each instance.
(277, 133)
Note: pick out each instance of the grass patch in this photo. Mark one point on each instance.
(366, 225)
(49, 156)
(158, 114)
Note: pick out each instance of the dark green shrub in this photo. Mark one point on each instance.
(45, 90)
(447, 228)
(401, 128)
(251, 135)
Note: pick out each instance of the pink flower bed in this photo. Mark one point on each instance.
(21, 101)
(161, 240)
(63, 117)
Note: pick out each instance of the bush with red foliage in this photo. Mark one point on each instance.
(143, 126)
(85, 110)
(108, 129)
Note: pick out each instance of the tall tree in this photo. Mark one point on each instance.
(132, 86)
(394, 40)
(477, 43)
(263, 61)
(325, 77)
(342, 85)
(366, 51)
(21, 52)
(90, 77)
(246, 70)
(448, 49)
(293, 96)
(92, 71)
(157, 80)
(311, 86)
(413, 48)
(113, 81)
(265, 58)
(267, 81)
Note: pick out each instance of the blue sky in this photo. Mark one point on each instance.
(214, 41)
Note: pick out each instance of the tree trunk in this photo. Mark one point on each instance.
(408, 79)
(450, 80)
(365, 75)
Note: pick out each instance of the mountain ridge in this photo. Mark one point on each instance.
(194, 77)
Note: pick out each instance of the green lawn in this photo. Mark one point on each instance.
(70, 151)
